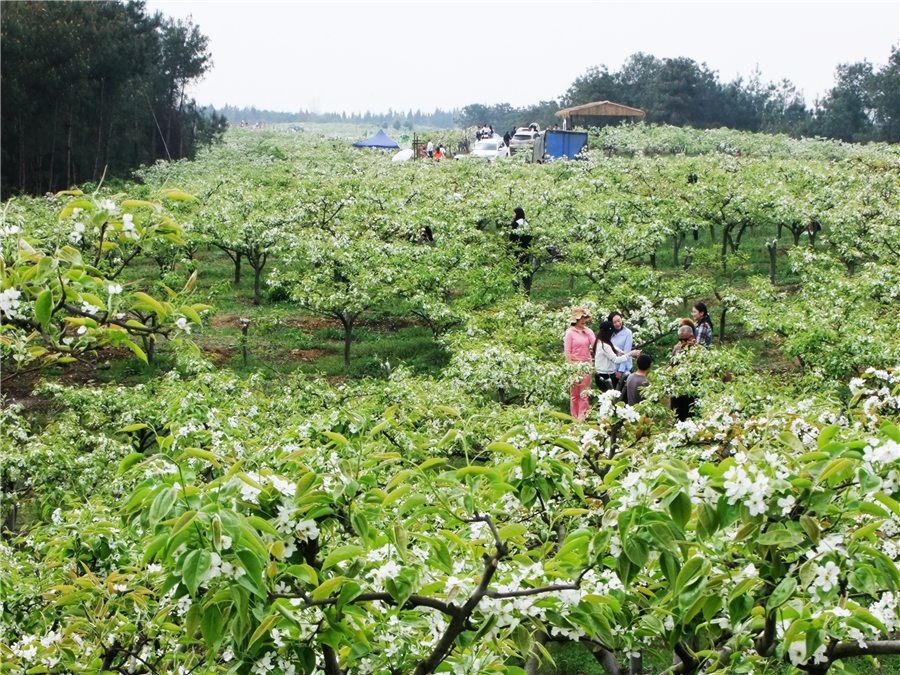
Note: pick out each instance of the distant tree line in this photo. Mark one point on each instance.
(90, 87)
(396, 119)
(863, 106)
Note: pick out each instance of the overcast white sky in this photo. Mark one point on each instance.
(358, 56)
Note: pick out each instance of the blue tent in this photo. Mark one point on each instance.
(379, 140)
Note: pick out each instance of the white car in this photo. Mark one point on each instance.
(524, 138)
(490, 149)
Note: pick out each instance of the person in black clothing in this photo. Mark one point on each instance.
(507, 138)
(520, 242)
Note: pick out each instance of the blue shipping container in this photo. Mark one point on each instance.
(558, 143)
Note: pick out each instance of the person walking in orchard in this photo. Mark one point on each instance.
(520, 242)
(578, 344)
(623, 340)
(703, 333)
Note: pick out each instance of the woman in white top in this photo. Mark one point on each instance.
(606, 356)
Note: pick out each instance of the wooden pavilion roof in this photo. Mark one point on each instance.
(604, 108)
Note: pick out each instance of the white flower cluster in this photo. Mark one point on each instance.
(9, 302)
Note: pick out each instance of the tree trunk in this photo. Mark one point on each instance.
(653, 260)
(99, 133)
(773, 255)
(676, 245)
(796, 234)
(780, 227)
(636, 664)
(533, 662)
(21, 151)
(725, 237)
(347, 319)
(245, 331)
(10, 522)
(722, 325)
(149, 347)
(257, 272)
(53, 149)
(69, 152)
(607, 661)
(237, 269)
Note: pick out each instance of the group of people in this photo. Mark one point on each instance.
(612, 351)
(485, 132)
(438, 153)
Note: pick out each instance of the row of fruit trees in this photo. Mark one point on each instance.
(203, 523)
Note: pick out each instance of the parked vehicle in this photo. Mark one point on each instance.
(523, 138)
(490, 149)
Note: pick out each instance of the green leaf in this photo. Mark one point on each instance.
(361, 525)
(889, 502)
(637, 550)
(781, 594)
(792, 442)
(505, 448)
(129, 461)
(867, 530)
(137, 350)
(196, 564)
(432, 463)
(739, 608)
(325, 589)
(778, 537)
(835, 466)
(811, 527)
(43, 307)
(161, 505)
(211, 626)
(890, 430)
(690, 572)
(681, 508)
(263, 629)
(339, 439)
(396, 494)
(826, 435)
(191, 314)
(151, 302)
(511, 531)
(305, 482)
(131, 427)
(349, 591)
(708, 517)
(186, 519)
(873, 509)
(262, 525)
(341, 554)
(178, 195)
(492, 474)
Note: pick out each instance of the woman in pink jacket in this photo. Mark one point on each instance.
(578, 344)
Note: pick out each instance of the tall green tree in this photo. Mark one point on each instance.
(94, 87)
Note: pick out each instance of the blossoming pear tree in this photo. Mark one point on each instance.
(59, 301)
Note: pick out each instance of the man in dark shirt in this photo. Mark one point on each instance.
(638, 380)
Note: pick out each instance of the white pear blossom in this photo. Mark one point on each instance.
(9, 302)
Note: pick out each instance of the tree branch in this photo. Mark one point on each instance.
(413, 601)
(533, 591)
